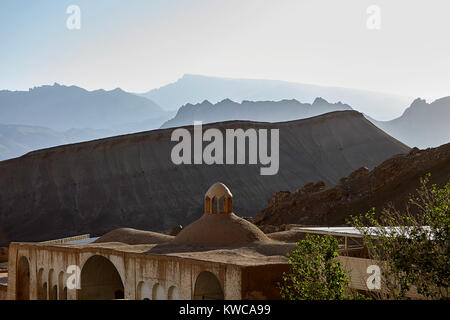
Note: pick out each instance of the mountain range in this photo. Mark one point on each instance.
(422, 125)
(53, 115)
(130, 180)
(63, 108)
(266, 111)
(197, 88)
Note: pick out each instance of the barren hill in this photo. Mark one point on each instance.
(130, 181)
(390, 182)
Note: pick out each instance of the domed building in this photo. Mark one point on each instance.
(218, 256)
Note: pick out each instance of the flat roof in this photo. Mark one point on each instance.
(354, 232)
(83, 241)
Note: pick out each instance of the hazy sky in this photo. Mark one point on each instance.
(142, 44)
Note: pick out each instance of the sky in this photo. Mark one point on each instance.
(138, 45)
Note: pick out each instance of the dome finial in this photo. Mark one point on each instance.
(218, 199)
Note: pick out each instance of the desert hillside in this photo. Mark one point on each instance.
(130, 180)
(390, 182)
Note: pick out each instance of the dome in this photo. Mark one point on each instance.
(133, 236)
(215, 230)
(218, 190)
(219, 226)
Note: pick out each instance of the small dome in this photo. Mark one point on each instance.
(218, 199)
(218, 190)
(133, 236)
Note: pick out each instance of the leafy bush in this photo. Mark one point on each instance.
(412, 247)
(316, 273)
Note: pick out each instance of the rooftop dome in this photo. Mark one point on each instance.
(218, 199)
(218, 189)
(133, 236)
(219, 227)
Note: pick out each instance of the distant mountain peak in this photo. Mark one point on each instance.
(319, 100)
(418, 101)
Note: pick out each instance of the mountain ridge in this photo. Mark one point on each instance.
(196, 88)
(261, 111)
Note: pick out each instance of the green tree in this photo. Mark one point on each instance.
(412, 246)
(316, 273)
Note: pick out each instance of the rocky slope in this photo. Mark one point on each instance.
(390, 182)
(267, 111)
(130, 181)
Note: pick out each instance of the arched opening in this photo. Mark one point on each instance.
(173, 293)
(208, 205)
(61, 285)
(100, 280)
(23, 279)
(53, 292)
(215, 205)
(207, 287)
(64, 295)
(41, 285)
(143, 291)
(158, 292)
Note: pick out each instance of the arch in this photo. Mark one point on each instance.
(100, 280)
(207, 287)
(41, 285)
(143, 291)
(60, 286)
(53, 288)
(23, 279)
(208, 205)
(158, 292)
(173, 293)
